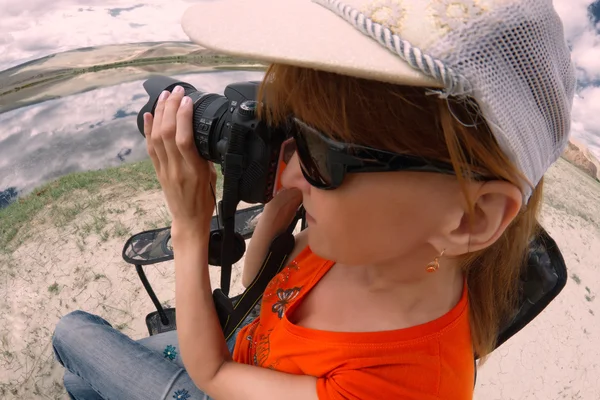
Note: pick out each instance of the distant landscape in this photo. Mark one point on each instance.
(62, 74)
(82, 104)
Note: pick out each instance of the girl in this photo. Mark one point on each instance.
(419, 161)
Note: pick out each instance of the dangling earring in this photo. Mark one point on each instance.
(435, 264)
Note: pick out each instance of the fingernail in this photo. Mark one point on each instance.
(164, 95)
(178, 89)
(185, 100)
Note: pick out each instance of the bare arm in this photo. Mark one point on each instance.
(203, 348)
(275, 219)
(185, 179)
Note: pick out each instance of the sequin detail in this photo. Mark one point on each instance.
(170, 352)
(182, 394)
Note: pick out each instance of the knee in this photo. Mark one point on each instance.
(71, 328)
(70, 322)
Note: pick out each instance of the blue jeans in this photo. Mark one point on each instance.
(102, 363)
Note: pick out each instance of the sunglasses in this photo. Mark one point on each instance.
(325, 162)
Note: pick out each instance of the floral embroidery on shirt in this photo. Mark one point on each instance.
(250, 333)
(263, 349)
(285, 296)
(270, 289)
(280, 279)
(286, 272)
(182, 394)
(170, 352)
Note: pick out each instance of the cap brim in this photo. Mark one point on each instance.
(296, 32)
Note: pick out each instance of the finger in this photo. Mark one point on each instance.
(157, 129)
(185, 134)
(213, 180)
(170, 124)
(160, 107)
(148, 120)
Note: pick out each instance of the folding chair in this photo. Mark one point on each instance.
(543, 276)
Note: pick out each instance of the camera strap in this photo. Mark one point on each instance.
(234, 168)
(279, 250)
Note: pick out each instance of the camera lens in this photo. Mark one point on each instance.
(209, 117)
(227, 127)
(208, 124)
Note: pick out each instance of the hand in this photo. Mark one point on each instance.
(280, 211)
(275, 219)
(184, 176)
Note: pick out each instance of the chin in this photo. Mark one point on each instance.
(320, 246)
(327, 248)
(341, 252)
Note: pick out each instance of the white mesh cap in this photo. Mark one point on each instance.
(510, 56)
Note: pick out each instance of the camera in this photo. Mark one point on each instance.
(227, 132)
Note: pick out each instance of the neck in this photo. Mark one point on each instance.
(410, 285)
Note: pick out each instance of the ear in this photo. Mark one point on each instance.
(496, 204)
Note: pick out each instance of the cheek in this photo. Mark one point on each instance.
(369, 224)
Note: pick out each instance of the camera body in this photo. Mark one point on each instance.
(227, 132)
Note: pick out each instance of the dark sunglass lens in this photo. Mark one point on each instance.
(312, 151)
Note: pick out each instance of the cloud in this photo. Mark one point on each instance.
(574, 15)
(30, 29)
(83, 132)
(586, 55)
(586, 118)
(580, 22)
(33, 29)
(578, 18)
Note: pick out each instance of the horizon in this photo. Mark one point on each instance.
(33, 29)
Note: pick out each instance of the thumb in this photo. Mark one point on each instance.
(284, 205)
(291, 195)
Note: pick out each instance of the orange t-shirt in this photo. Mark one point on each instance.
(428, 361)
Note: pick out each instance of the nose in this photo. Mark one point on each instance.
(292, 176)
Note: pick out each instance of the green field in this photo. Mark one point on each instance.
(65, 198)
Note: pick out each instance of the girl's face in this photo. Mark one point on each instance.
(379, 217)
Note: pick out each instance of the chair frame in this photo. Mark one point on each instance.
(544, 274)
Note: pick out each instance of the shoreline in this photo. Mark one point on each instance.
(80, 70)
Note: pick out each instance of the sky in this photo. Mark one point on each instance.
(84, 132)
(30, 29)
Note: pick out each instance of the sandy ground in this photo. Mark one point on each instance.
(557, 356)
(53, 272)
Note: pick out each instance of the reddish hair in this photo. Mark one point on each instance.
(405, 119)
